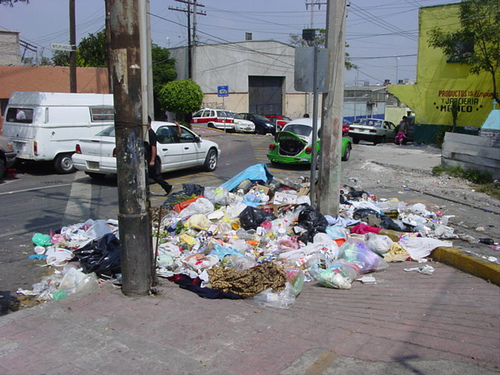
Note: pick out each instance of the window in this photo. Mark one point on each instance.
(187, 136)
(108, 132)
(166, 134)
(98, 114)
(23, 115)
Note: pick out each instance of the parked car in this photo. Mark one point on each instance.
(7, 155)
(97, 156)
(345, 127)
(372, 130)
(241, 125)
(262, 124)
(293, 144)
(279, 120)
(213, 118)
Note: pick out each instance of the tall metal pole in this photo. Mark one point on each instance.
(314, 160)
(133, 217)
(333, 101)
(72, 42)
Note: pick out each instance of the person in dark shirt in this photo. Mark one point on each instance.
(152, 160)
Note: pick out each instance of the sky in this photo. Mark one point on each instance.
(382, 34)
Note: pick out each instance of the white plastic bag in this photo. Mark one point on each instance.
(199, 206)
(75, 281)
(378, 243)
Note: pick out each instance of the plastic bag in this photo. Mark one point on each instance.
(251, 217)
(201, 206)
(359, 254)
(40, 239)
(338, 275)
(217, 195)
(58, 257)
(380, 244)
(313, 221)
(101, 256)
(280, 300)
(75, 281)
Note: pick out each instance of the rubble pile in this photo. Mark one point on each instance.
(255, 237)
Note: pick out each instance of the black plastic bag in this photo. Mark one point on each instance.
(251, 217)
(101, 256)
(190, 189)
(313, 221)
(362, 213)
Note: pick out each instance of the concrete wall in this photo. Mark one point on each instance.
(9, 48)
(470, 152)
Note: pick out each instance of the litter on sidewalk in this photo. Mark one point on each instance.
(255, 237)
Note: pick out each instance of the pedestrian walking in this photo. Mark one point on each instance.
(153, 167)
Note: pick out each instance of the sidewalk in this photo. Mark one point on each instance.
(407, 323)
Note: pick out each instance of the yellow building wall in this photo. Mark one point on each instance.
(439, 83)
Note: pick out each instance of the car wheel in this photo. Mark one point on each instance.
(63, 164)
(96, 176)
(347, 153)
(210, 125)
(2, 169)
(210, 161)
(355, 140)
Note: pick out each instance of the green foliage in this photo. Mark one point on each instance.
(475, 176)
(60, 58)
(163, 72)
(182, 97)
(477, 41)
(93, 51)
(163, 67)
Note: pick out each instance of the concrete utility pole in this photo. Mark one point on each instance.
(72, 42)
(126, 70)
(333, 101)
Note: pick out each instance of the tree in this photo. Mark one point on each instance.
(93, 51)
(163, 72)
(318, 41)
(181, 97)
(477, 41)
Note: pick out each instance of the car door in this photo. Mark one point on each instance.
(193, 153)
(169, 148)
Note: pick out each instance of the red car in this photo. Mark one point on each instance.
(279, 120)
(345, 127)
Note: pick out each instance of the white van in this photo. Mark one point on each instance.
(45, 126)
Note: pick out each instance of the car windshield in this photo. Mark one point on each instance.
(108, 132)
(298, 129)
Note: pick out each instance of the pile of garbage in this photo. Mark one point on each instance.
(255, 237)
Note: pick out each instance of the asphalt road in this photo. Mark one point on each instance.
(40, 201)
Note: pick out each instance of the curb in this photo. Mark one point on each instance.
(463, 261)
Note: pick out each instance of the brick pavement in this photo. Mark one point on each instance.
(408, 323)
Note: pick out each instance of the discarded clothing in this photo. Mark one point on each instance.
(249, 282)
(194, 285)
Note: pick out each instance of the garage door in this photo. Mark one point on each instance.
(265, 95)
